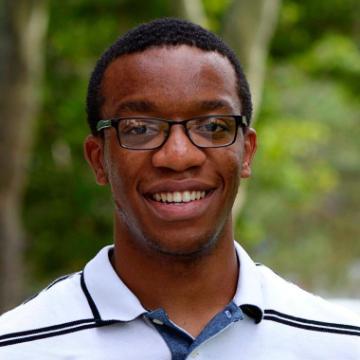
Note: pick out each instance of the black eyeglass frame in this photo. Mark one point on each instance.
(240, 120)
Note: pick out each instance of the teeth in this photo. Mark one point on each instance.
(179, 196)
(186, 196)
(169, 197)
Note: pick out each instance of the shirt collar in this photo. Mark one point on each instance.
(110, 299)
(249, 295)
(113, 300)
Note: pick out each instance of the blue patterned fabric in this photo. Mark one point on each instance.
(180, 343)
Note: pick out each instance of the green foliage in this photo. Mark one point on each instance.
(303, 22)
(215, 11)
(67, 217)
(303, 199)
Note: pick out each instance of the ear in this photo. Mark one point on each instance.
(94, 154)
(249, 151)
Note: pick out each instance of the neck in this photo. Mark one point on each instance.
(191, 291)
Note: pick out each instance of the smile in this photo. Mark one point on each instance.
(179, 196)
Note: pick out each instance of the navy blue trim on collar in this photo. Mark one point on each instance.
(309, 324)
(51, 331)
(252, 311)
(89, 299)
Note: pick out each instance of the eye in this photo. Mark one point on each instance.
(136, 127)
(214, 125)
(137, 130)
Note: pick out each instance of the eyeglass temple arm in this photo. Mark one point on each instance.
(103, 124)
(243, 120)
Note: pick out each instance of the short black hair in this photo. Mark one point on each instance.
(159, 33)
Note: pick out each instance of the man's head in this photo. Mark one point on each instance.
(175, 198)
(161, 33)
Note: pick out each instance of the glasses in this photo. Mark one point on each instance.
(146, 133)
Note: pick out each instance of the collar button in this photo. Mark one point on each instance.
(157, 321)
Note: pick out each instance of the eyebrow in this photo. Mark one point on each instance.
(136, 106)
(144, 106)
(210, 105)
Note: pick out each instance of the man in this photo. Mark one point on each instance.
(169, 109)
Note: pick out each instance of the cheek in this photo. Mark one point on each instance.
(231, 164)
(234, 171)
(235, 162)
(228, 168)
(123, 170)
(128, 169)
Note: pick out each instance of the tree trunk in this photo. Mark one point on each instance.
(248, 29)
(191, 10)
(22, 29)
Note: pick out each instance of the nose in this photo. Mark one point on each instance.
(178, 153)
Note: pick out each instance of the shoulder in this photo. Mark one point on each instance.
(289, 307)
(287, 297)
(59, 307)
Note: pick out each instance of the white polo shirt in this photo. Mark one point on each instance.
(93, 315)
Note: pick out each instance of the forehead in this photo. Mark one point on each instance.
(172, 77)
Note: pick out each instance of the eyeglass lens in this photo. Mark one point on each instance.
(212, 131)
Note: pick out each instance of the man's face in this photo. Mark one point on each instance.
(171, 83)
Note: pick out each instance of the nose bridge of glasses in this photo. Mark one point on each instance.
(182, 128)
(178, 152)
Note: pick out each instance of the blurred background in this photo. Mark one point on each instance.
(299, 213)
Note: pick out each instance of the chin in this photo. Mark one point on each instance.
(186, 248)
